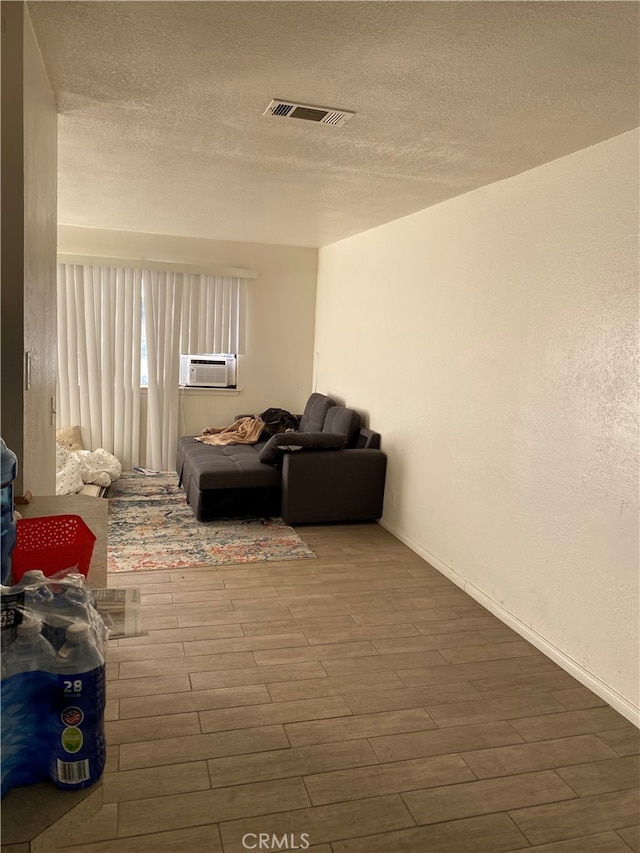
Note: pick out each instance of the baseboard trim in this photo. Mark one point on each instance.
(588, 679)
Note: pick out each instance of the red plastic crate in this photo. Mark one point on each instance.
(52, 543)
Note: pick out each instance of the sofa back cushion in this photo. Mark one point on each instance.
(315, 411)
(344, 422)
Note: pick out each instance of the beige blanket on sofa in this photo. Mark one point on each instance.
(243, 431)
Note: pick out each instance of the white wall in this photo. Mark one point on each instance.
(276, 369)
(492, 340)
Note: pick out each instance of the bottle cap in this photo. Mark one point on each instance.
(29, 627)
(77, 632)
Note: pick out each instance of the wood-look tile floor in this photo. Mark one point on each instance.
(356, 703)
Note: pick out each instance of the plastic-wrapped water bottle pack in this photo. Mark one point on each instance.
(53, 682)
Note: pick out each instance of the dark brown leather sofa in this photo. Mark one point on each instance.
(330, 470)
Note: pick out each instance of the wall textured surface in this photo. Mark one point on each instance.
(493, 341)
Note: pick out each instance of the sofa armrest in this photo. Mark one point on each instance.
(283, 442)
(347, 485)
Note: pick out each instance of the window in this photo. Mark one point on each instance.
(119, 328)
(209, 309)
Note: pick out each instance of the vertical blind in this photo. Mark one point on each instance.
(100, 336)
(212, 314)
(162, 292)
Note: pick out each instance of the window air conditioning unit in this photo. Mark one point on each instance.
(208, 371)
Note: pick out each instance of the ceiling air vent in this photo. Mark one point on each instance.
(320, 115)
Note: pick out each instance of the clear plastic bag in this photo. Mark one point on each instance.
(53, 714)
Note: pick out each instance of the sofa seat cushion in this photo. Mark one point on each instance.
(226, 467)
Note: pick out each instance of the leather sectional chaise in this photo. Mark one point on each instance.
(331, 469)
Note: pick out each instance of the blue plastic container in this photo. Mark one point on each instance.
(9, 472)
(52, 698)
(79, 747)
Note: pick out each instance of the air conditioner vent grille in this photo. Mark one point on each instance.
(282, 109)
(306, 112)
(333, 118)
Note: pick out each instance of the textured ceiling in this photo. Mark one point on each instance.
(161, 126)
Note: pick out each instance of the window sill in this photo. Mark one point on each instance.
(196, 391)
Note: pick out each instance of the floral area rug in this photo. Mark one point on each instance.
(151, 526)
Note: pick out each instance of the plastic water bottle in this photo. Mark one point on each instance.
(33, 584)
(79, 753)
(58, 603)
(27, 680)
(79, 653)
(36, 592)
(9, 472)
(38, 603)
(83, 600)
(57, 611)
(29, 652)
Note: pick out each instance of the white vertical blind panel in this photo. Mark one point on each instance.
(211, 314)
(62, 391)
(91, 369)
(107, 350)
(135, 366)
(162, 293)
(99, 356)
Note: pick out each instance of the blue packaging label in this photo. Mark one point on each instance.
(79, 754)
(53, 726)
(26, 738)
